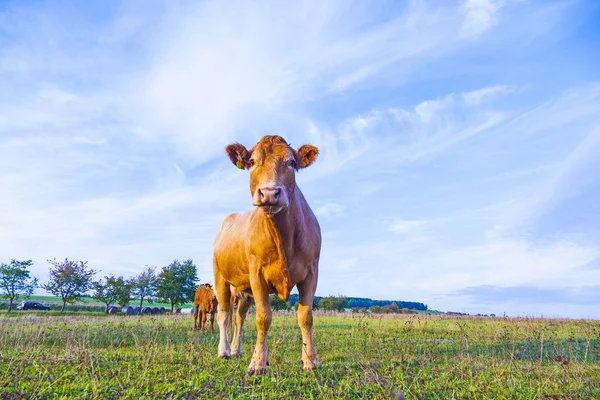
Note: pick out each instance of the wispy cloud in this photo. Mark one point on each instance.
(403, 226)
(480, 15)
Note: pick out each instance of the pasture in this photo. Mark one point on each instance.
(371, 357)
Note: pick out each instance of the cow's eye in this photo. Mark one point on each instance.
(251, 162)
(292, 164)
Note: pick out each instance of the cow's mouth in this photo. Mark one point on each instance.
(271, 209)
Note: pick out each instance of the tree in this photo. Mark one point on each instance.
(277, 304)
(103, 292)
(332, 303)
(69, 280)
(15, 280)
(122, 289)
(177, 283)
(112, 290)
(144, 285)
(392, 308)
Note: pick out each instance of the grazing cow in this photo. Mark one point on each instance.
(270, 249)
(205, 302)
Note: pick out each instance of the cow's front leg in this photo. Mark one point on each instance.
(212, 322)
(258, 365)
(195, 317)
(306, 291)
(223, 296)
(243, 306)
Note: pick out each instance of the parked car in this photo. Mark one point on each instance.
(31, 305)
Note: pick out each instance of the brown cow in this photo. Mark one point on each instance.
(270, 249)
(205, 302)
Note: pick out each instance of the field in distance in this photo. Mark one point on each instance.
(374, 357)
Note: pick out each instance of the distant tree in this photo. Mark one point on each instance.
(69, 280)
(122, 288)
(355, 310)
(177, 283)
(103, 291)
(144, 285)
(392, 308)
(15, 281)
(377, 309)
(277, 304)
(315, 303)
(112, 290)
(333, 303)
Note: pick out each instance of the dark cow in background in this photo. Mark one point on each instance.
(205, 302)
(270, 249)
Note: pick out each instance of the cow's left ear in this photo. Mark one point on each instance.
(307, 154)
(238, 155)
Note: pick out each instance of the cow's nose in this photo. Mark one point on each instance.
(269, 195)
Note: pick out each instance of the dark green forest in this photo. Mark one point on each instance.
(364, 302)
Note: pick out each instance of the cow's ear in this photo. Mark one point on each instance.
(307, 154)
(238, 155)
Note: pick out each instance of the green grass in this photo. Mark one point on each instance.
(371, 357)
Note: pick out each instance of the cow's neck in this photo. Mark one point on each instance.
(287, 238)
(287, 221)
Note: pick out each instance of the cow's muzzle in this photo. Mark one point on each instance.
(271, 199)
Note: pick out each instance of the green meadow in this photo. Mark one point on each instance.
(92, 355)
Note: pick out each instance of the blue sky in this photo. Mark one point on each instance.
(460, 141)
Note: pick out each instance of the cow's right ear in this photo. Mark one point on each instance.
(238, 155)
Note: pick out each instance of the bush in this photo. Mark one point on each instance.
(333, 303)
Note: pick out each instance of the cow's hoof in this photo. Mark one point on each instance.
(311, 365)
(236, 355)
(225, 356)
(256, 371)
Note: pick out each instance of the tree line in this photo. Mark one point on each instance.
(175, 284)
(366, 303)
(69, 280)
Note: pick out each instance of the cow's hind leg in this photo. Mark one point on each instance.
(306, 291)
(212, 322)
(203, 321)
(224, 298)
(258, 365)
(242, 308)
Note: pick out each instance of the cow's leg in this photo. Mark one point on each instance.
(212, 322)
(195, 316)
(242, 309)
(306, 291)
(258, 365)
(203, 321)
(224, 297)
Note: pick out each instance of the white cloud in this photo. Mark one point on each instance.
(480, 16)
(405, 226)
(330, 210)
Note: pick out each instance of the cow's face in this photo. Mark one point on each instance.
(272, 164)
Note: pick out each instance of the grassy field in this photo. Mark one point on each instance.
(423, 357)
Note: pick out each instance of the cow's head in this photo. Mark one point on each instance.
(272, 164)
